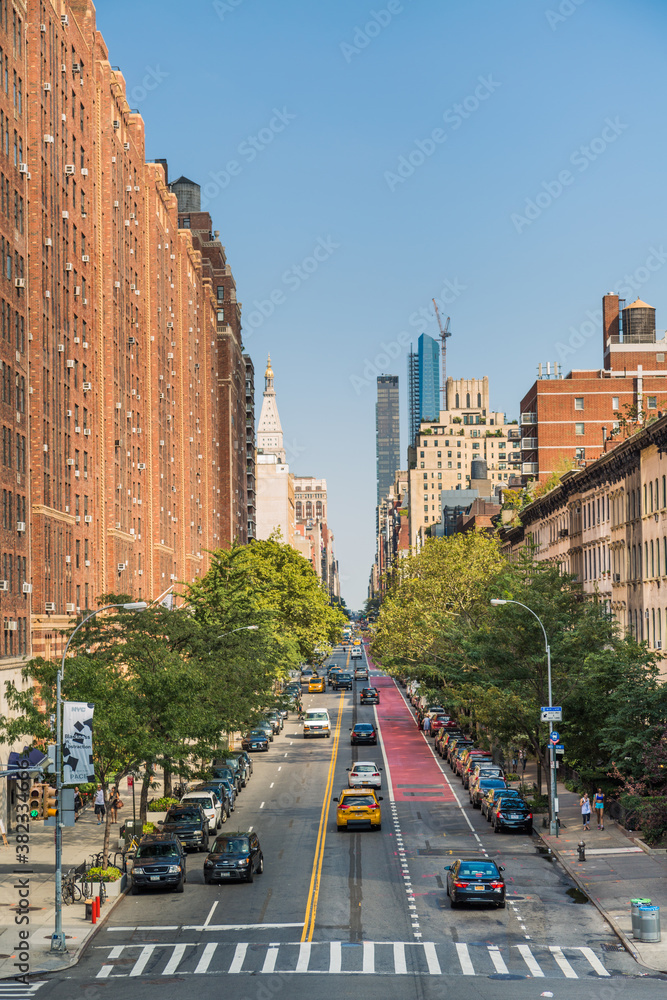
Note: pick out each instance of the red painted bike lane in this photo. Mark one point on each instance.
(414, 772)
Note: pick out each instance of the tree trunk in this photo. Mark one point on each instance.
(143, 802)
(167, 782)
(107, 828)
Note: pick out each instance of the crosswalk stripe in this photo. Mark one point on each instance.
(562, 962)
(173, 963)
(594, 961)
(105, 971)
(304, 957)
(335, 957)
(143, 960)
(432, 959)
(239, 958)
(369, 957)
(270, 960)
(497, 959)
(400, 965)
(467, 967)
(530, 961)
(206, 956)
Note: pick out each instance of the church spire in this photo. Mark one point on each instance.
(268, 375)
(269, 429)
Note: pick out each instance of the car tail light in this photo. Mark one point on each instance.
(499, 815)
(529, 816)
(460, 885)
(342, 805)
(496, 885)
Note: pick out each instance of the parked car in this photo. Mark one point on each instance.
(475, 882)
(274, 718)
(190, 824)
(494, 793)
(234, 856)
(230, 788)
(364, 774)
(465, 767)
(481, 787)
(247, 758)
(358, 807)
(256, 739)
(369, 696)
(211, 805)
(363, 732)
(220, 788)
(457, 747)
(232, 765)
(444, 740)
(511, 814)
(159, 862)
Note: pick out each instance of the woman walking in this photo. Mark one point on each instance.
(585, 804)
(99, 804)
(598, 802)
(114, 799)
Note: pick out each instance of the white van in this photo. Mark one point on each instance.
(316, 723)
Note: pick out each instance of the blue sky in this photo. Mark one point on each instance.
(531, 141)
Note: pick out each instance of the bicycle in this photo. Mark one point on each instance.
(70, 890)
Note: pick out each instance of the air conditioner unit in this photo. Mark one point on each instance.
(4, 584)
(132, 287)
(69, 608)
(86, 431)
(161, 395)
(20, 525)
(47, 86)
(48, 242)
(646, 613)
(85, 258)
(116, 204)
(76, 67)
(65, 214)
(69, 413)
(69, 169)
(132, 340)
(87, 563)
(140, 572)
(84, 171)
(69, 267)
(126, 146)
(170, 325)
(116, 284)
(119, 406)
(49, 606)
(10, 626)
(77, 430)
(658, 644)
(170, 357)
(19, 282)
(68, 559)
(162, 444)
(27, 588)
(88, 518)
(42, 28)
(63, 68)
(64, 20)
(141, 466)
(70, 363)
(70, 461)
(23, 168)
(87, 386)
(116, 124)
(121, 567)
(48, 138)
(77, 289)
(127, 222)
(61, 348)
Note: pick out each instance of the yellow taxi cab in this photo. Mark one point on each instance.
(316, 685)
(358, 807)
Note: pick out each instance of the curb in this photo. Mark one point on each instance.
(627, 942)
(75, 958)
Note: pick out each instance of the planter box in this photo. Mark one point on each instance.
(154, 817)
(113, 889)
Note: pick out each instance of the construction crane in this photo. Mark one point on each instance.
(444, 333)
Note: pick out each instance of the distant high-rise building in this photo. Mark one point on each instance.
(429, 378)
(413, 395)
(387, 432)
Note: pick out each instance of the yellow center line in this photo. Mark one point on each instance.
(314, 889)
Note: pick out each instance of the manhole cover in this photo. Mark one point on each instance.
(613, 947)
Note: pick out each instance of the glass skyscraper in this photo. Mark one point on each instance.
(387, 433)
(428, 351)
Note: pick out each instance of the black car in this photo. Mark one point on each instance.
(159, 861)
(247, 758)
(189, 824)
(228, 769)
(369, 696)
(234, 856)
(256, 739)
(511, 814)
(221, 789)
(475, 882)
(342, 681)
(363, 732)
(492, 797)
(332, 675)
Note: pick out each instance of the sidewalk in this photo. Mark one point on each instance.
(616, 870)
(79, 842)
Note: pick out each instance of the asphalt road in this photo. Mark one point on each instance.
(359, 912)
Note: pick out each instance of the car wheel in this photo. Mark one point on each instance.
(260, 867)
(340, 826)
(250, 876)
(207, 880)
(203, 847)
(181, 886)
(219, 823)
(452, 903)
(136, 891)
(379, 826)
(502, 905)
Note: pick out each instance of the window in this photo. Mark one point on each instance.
(221, 316)
(578, 402)
(614, 402)
(652, 402)
(459, 476)
(421, 466)
(579, 430)
(220, 293)
(449, 465)
(421, 454)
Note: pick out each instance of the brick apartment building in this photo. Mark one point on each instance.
(126, 455)
(568, 419)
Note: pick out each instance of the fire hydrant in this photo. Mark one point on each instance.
(581, 850)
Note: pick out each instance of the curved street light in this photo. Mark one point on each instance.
(244, 628)
(553, 796)
(58, 942)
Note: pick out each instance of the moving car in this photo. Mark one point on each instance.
(234, 856)
(361, 673)
(190, 824)
(159, 861)
(511, 814)
(316, 685)
(492, 797)
(211, 805)
(358, 807)
(316, 722)
(363, 732)
(364, 774)
(331, 674)
(369, 696)
(356, 653)
(475, 882)
(342, 681)
(256, 739)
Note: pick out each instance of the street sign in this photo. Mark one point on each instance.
(554, 737)
(130, 781)
(559, 748)
(551, 714)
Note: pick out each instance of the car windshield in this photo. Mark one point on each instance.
(156, 851)
(231, 845)
(318, 716)
(478, 868)
(257, 733)
(204, 801)
(183, 815)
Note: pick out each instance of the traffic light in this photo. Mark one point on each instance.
(49, 804)
(36, 801)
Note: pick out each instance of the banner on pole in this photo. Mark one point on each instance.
(78, 765)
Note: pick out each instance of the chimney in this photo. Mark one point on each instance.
(610, 327)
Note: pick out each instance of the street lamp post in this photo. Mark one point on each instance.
(553, 794)
(244, 628)
(58, 942)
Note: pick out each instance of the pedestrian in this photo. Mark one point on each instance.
(585, 804)
(78, 802)
(598, 802)
(523, 760)
(426, 725)
(515, 761)
(114, 799)
(99, 804)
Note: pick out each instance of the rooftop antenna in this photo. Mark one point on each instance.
(444, 333)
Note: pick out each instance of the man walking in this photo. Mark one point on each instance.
(522, 760)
